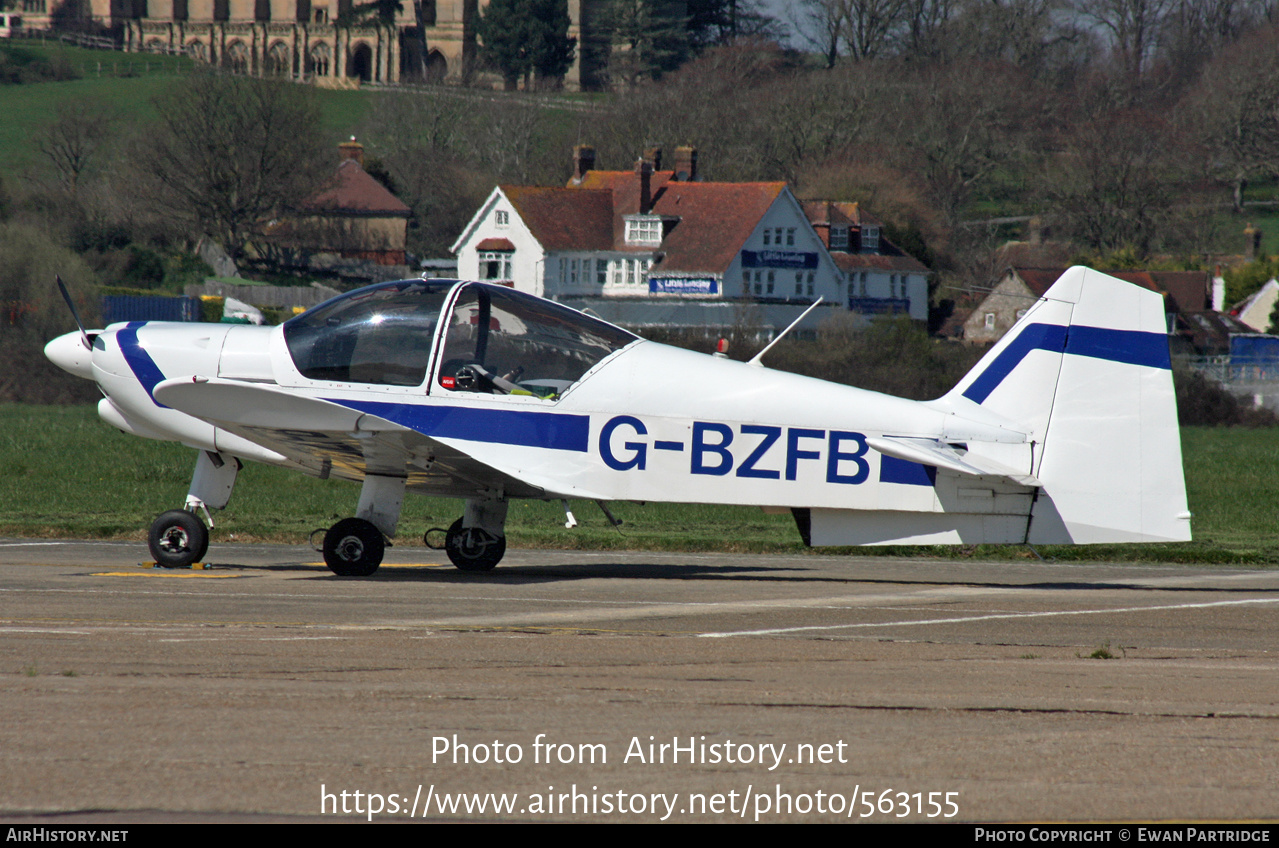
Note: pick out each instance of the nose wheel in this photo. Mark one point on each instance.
(353, 548)
(473, 548)
(177, 539)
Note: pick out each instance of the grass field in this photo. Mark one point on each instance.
(64, 473)
(129, 82)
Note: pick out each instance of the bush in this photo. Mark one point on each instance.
(1203, 402)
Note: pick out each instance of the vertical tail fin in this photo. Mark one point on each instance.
(1088, 373)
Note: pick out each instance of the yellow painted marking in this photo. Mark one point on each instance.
(158, 573)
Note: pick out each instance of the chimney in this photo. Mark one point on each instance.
(644, 169)
(1252, 241)
(686, 164)
(654, 155)
(351, 150)
(583, 161)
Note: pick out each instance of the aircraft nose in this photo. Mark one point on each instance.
(69, 353)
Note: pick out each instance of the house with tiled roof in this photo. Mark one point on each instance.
(650, 236)
(1185, 293)
(351, 217)
(880, 278)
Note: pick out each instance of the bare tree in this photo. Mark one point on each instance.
(822, 24)
(925, 22)
(1134, 26)
(72, 140)
(1115, 177)
(861, 29)
(871, 26)
(230, 153)
(956, 124)
(1233, 112)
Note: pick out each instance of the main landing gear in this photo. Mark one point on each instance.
(473, 548)
(476, 542)
(353, 548)
(178, 538)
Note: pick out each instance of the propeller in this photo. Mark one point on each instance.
(66, 295)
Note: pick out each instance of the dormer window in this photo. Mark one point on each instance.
(839, 238)
(870, 239)
(644, 230)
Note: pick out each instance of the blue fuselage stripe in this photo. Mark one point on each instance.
(894, 470)
(1133, 347)
(139, 361)
(551, 430)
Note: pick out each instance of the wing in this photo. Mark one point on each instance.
(328, 439)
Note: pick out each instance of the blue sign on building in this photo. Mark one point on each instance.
(879, 305)
(778, 259)
(683, 285)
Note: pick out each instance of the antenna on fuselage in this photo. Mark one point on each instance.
(755, 360)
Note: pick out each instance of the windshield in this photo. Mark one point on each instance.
(379, 334)
(501, 341)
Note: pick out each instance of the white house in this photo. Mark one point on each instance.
(881, 279)
(651, 235)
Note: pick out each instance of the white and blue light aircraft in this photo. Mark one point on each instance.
(1065, 432)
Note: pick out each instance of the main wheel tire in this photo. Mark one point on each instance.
(353, 548)
(177, 538)
(474, 549)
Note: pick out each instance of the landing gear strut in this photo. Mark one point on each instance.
(178, 537)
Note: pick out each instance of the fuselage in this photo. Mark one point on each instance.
(588, 411)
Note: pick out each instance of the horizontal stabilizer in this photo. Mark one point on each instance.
(939, 454)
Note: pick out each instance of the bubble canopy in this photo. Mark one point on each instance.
(494, 340)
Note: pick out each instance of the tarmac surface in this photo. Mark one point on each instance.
(783, 688)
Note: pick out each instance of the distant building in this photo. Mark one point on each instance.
(352, 218)
(1256, 309)
(652, 236)
(881, 279)
(1185, 293)
(324, 40)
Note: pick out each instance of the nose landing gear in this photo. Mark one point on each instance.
(177, 539)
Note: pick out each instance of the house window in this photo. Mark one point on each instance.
(990, 320)
(768, 234)
(799, 282)
(616, 266)
(502, 218)
(810, 283)
(790, 236)
(644, 229)
(495, 265)
(870, 239)
(839, 238)
(601, 271)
